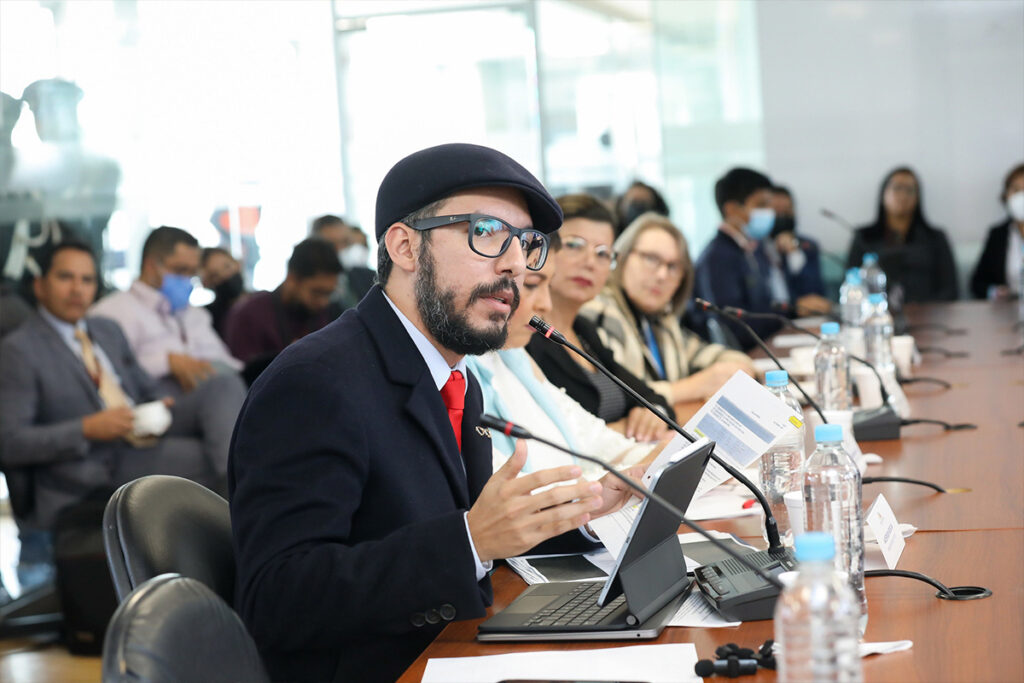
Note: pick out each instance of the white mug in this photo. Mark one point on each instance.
(903, 353)
(802, 358)
(868, 387)
(794, 501)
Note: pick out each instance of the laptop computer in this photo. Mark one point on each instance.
(641, 593)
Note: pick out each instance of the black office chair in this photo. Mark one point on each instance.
(160, 524)
(173, 629)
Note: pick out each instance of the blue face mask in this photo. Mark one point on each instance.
(177, 289)
(761, 223)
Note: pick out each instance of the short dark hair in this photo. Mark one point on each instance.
(585, 206)
(737, 185)
(47, 256)
(311, 257)
(325, 221)
(1014, 172)
(161, 242)
(782, 189)
(384, 261)
(207, 253)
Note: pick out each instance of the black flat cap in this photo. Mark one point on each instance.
(437, 172)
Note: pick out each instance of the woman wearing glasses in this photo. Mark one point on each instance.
(637, 315)
(915, 256)
(581, 269)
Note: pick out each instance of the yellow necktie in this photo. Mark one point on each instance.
(111, 393)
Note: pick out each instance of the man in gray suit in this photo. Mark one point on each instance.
(68, 388)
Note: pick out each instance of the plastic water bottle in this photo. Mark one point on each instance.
(832, 370)
(853, 299)
(833, 504)
(878, 346)
(781, 465)
(816, 618)
(872, 274)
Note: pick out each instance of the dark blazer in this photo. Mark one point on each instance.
(808, 280)
(726, 275)
(347, 501)
(563, 371)
(991, 267)
(45, 392)
(923, 264)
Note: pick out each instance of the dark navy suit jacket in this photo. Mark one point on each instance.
(727, 276)
(347, 501)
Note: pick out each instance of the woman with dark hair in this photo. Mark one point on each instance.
(998, 273)
(581, 269)
(914, 255)
(638, 198)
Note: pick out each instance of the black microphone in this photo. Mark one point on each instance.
(733, 667)
(771, 526)
(876, 424)
(838, 220)
(510, 429)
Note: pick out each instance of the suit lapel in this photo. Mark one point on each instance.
(403, 365)
(72, 363)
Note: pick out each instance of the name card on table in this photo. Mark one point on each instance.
(882, 522)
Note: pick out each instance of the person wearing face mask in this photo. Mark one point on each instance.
(637, 315)
(220, 273)
(350, 243)
(639, 198)
(264, 324)
(581, 269)
(915, 256)
(998, 272)
(174, 341)
(793, 260)
(729, 272)
(516, 389)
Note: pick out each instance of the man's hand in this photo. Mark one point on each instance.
(786, 242)
(615, 493)
(507, 519)
(187, 370)
(641, 424)
(108, 425)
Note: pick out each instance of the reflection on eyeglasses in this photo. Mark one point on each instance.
(602, 252)
(654, 263)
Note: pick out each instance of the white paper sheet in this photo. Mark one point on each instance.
(745, 420)
(671, 663)
(697, 612)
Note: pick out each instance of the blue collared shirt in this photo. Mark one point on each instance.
(66, 331)
(440, 371)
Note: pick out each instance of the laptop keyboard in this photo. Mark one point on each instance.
(581, 609)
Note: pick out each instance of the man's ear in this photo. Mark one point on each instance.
(402, 243)
(37, 287)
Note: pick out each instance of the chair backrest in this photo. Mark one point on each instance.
(160, 524)
(173, 629)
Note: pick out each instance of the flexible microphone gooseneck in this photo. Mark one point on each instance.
(735, 313)
(510, 429)
(708, 306)
(770, 525)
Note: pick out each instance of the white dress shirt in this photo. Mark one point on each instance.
(441, 371)
(145, 317)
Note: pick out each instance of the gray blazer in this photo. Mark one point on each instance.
(45, 392)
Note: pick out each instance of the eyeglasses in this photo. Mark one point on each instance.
(602, 252)
(654, 263)
(490, 236)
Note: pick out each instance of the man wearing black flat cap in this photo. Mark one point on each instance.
(364, 510)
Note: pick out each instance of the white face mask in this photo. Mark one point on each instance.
(354, 256)
(1015, 205)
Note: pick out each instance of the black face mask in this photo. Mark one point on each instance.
(783, 224)
(230, 289)
(298, 310)
(634, 210)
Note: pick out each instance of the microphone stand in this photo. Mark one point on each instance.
(510, 429)
(775, 547)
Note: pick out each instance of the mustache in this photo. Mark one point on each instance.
(502, 285)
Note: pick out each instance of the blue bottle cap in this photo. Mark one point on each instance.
(830, 328)
(876, 298)
(815, 546)
(853, 276)
(870, 258)
(776, 378)
(828, 433)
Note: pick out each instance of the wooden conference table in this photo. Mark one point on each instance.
(971, 538)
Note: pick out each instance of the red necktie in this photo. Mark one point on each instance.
(453, 393)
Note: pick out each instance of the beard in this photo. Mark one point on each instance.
(451, 327)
